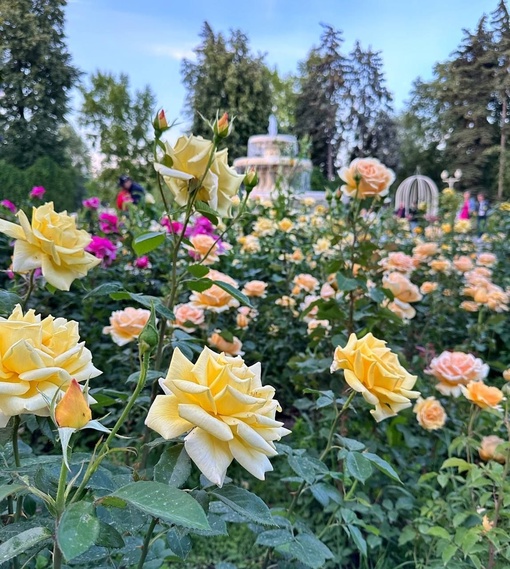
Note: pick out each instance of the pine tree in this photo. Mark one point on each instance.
(227, 77)
(322, 82)
(36, 76)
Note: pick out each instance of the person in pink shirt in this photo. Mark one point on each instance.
(465, 211)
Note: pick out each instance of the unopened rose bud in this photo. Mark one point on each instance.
(221, 127)
(149, 336)
(160, 123)
(73, 410)
(250, 179)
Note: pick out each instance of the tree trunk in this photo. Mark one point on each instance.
(502, 148)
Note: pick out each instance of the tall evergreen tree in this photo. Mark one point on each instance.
(36, 76)
(317, 107)
(227, 77)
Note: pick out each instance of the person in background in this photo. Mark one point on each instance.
(466, 209)
(413, 216)
(135, 190)
(401, 211)
(481, 213)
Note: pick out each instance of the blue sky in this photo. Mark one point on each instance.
(148, 39)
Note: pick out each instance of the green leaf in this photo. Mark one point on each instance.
(207, 211)
(198, 271)
(147, 242)
(165, 502)
(78, 529)
(104, 289)
(346, 284)
(8, 301)
(383, 466)
(274, 537)
(438, 531)
(109, 537)
(174, 466)
(358, 466)
(145, 300)
(237, 294)
(23, 541)
(307, 467)
(10, 489)
(309, 550)
(357, 537)
(200, 285)
(111, 502)
(448, 552)
(459, 463)
(245, 503)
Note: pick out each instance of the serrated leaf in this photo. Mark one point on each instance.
(383, 466)
(237, 294)
(8, 301)
(165, 502)
(78, 530)
(104, 289)
(147, 242)
(174, 466)
(358, 466)
(245, 503)
(23, 541)
(274, 537)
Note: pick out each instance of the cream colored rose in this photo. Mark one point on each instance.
(365, 178)
(327, 291)
(427, 287)
(285, 225)
(126, 325)
(190, 157)
(263, 227)
(233, 348)
(488, 446)
(52, 243)
(38, 358)
(255, 289)
(313, 324)
(226, 411)
(249, 244)
(372, 369)
(463, 263)
(215, 298)
(430, 414)
(454, 369)
(401, 287)
(188, 317)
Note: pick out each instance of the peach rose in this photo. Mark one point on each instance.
(255, 289)
(506, 374)
(484, 396)
(186, 314)
(425, 250)
(126, 325)
(455, 369)
(401, 287)
(263, 227)
(313, 324)
(440, 265)
(233, 348)
(427, 287)
(366, 177)
(469, 306)
(327, 291)
(305, 282)
(402, 309)
(249, 244)
(215, 298)
(311, 314)
(488, 446)
(430, 414)
(398, 262)
(486, 259)
(463, 263)
(202, 244)
(285, 301)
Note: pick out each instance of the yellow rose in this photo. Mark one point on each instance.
(372, 369)
(37, 359)
(374, 178)
(263, 227)
(51, 242)
(226, 411)
(446, 227)
(430, 414)
(488, 446)
(190, 157)
(126, 325)
(484, 396)
(285, 225)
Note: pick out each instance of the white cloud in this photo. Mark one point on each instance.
(170, 51)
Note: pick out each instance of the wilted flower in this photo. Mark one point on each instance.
(227, 413)
(372, 369)
(126, 325)
(51, 242)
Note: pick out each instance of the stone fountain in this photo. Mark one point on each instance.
(275, 158)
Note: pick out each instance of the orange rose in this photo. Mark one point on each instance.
(402, 309)
(506, 374)
(488, 446)
(430, 413)
(126, 325)
(484, 396)
(202, 244)
(366, 177)
(233, 348)
(255, 289)
(469, 306)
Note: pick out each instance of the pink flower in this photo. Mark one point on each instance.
(103, 248)
(91, 203)
(142, 262)
(8, 205)
(202, 226)
(108, 223)
(37, 192)
(173, 226)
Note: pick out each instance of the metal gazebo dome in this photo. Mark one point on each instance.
(415, 190)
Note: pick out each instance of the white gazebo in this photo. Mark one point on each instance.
(415, 190)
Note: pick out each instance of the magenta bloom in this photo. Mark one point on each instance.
(108, 223)
(142, 262)
(174, 226)
(102, 248)
(9, 205)
(37, 192)
(202, 226)
(91, 203)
